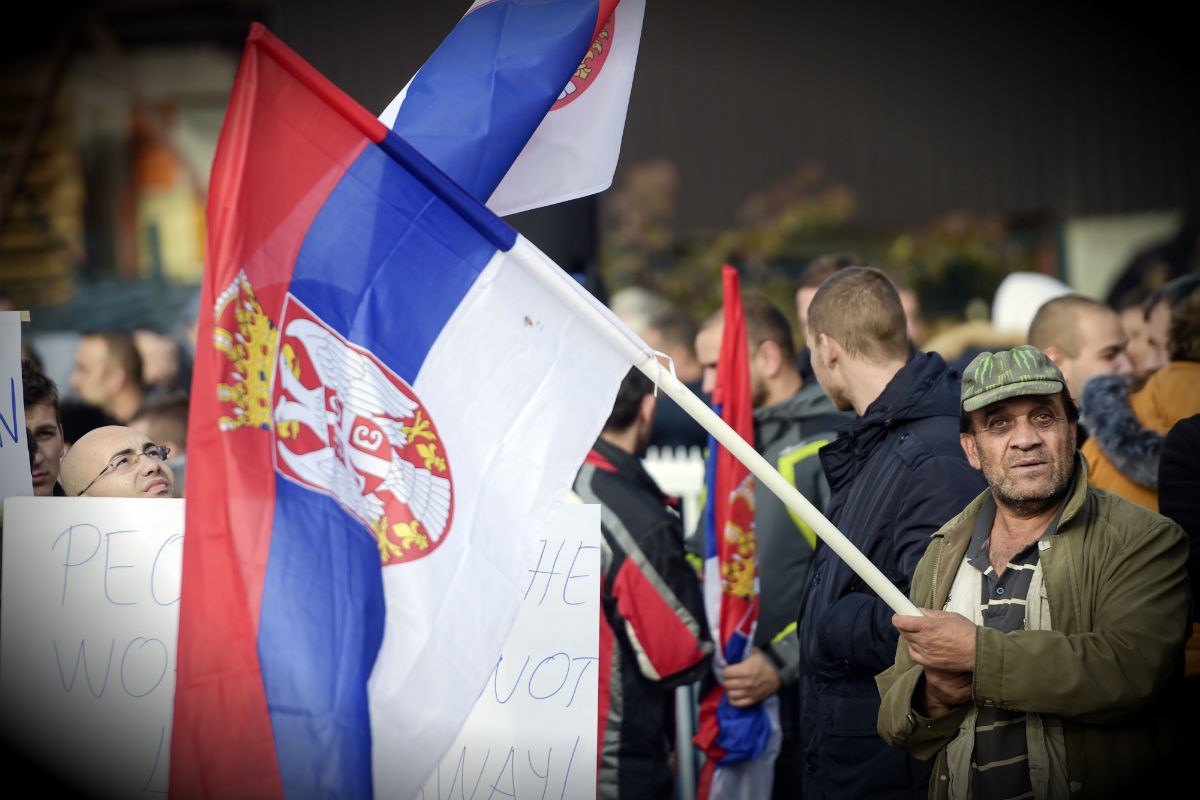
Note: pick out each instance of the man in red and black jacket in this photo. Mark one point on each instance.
(653, 634)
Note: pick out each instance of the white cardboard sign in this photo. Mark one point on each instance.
(532, 733)
(16, 479)
(88, 629)
(88, 626)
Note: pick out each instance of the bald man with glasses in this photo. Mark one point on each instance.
(117, 461)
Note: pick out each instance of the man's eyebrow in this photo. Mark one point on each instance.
(128, 451)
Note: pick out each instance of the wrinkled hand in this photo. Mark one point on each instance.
(945, 690)
(942, 640)
(751, 680)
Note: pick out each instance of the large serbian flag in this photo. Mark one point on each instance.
(731, 738)
(392, 392)
(542, 83)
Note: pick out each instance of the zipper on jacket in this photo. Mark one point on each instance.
(937, 565)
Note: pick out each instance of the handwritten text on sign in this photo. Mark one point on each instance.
(532, 733)
(89, 622)
(16, 479)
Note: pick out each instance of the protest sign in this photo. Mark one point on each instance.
(532, 733)
(16, 477)
(88, 622)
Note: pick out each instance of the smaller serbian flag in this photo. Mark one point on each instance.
(542, 83)
(730, 736)
(392, 393)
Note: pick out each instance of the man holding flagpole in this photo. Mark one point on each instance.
(1047, 658)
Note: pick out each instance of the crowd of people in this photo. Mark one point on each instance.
(1035, 496)
(1056, 652)
(126, 416)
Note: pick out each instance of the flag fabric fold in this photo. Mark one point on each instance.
(392, 391)
(730, 737)
(524, 102)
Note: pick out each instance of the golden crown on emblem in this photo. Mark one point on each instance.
(248, 341)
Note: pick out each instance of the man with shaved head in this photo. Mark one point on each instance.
(117, 461)
(1083, 337)
(896, 474)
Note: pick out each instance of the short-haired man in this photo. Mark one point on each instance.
(163, 418)
(793, 420)
(117, 461)
(814, 274)
(108, 373)
(653, 632)
(820, 268)
(1049, 647)
(811, 278)
(897, 474)
(1083, 337)
(44, 423)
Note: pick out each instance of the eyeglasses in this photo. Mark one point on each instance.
(123, 462)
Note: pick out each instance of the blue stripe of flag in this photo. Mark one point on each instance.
(478, 136)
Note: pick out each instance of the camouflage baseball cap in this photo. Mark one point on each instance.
(997, 376)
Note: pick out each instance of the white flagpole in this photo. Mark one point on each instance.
(769, 476)
(620, 336)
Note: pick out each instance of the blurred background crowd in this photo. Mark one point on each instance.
(987, 157)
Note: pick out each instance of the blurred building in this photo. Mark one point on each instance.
(1072, 113)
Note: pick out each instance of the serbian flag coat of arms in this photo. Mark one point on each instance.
(733, 740)
(392, 392)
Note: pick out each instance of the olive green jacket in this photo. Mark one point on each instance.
(1115, 586)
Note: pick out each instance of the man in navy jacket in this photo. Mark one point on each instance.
(896, 473)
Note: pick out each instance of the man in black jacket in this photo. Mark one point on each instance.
(896, 473)
(653, 632)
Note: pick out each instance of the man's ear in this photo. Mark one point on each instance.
(1059, 358)
(831, 350)
(769, 358)
(646, 409)
(967, 440)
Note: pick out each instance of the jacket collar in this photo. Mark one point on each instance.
(919, 390)
(955, 535)
(1079, 490)
(608, 457)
